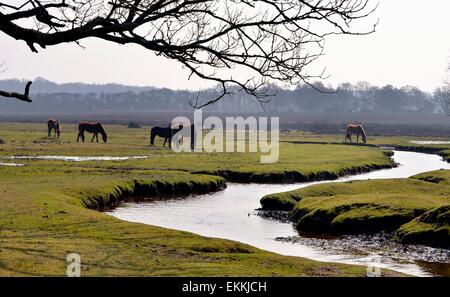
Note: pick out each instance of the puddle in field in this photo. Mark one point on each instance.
(429, 142)
(11, 164)
(76, 158)
(232, 214)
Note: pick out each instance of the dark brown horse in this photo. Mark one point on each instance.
(165, 132)
(94, 128)
(54, 125)
(355, 129)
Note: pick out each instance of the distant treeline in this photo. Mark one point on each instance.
(82, 98)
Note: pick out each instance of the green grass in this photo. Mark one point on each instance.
(44, 217)
(48, 208)
(431, 228)
(296, 162)
(399, 142)
(411, 206)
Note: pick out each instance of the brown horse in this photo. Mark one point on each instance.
(355, 129)
(165, 132)
(54, 125)
(94, 128)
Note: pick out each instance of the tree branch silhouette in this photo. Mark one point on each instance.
(272, 40)
(24, 97)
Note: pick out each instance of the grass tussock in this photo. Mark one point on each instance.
(417, 208)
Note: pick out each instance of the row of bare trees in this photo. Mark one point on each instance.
(442, 94)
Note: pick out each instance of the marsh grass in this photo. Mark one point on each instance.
(416, 207)
(49, 207)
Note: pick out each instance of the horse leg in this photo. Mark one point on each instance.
(152, 139)
(93, 136)
(165, 140)
(80, 134)
(96, 137)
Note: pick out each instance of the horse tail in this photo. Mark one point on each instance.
(363, 134)
(80, 132)
(152, 136)
(347, 133)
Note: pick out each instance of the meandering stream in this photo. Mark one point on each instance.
(232, 214)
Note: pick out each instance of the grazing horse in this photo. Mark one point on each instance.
(94, 128)
(355, 129)
(54, 125)
(165, 132)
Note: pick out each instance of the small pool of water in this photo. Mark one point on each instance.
(231, 214)
(11, 164)
(429, 142)
(75, 158)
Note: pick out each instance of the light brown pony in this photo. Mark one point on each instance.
(355, 129)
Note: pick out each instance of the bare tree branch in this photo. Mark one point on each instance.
(213, 39)
(442, 94)
(2, 67)
(24, 97)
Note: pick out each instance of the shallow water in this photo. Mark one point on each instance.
(231, 214)
(75, 158)
(11, 164)
(429, 142)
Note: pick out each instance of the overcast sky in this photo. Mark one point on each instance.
(411, 47)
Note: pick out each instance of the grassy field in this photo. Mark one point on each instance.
(296, 162)
(416, 207)
(399, 142)
(46, 206)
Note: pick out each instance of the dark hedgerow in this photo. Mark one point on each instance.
(134, 125)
